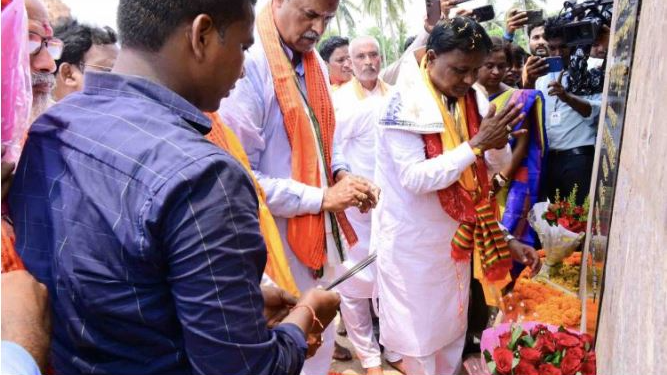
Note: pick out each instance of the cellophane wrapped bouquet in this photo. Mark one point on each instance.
(561, 227)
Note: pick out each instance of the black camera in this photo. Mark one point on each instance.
(582, 21)
(580, 24)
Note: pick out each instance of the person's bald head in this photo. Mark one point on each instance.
(364, 41)
(366, 59)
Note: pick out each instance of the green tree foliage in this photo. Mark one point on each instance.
(347, 11)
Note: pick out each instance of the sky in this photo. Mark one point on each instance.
(103, 12)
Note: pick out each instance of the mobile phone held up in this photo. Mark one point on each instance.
(555, 64)
(433, 11)
(483, 14)
(535, 17)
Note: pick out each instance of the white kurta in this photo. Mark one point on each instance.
(356, 123)
(253, 113)
(419, 290)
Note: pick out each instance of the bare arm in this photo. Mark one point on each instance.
(582, 106)
(518, 154)
(26, 319)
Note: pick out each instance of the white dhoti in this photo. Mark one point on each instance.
(445, 361)
(423, 291)
(357, 112)
(359, 325)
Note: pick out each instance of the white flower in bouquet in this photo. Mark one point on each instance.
(561, 227)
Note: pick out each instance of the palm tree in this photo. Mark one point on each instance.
(394, 11)
(346, 11)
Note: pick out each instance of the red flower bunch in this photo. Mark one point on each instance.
(542, 352)
(566, 213)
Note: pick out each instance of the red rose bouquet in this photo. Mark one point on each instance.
(561, 227)
(537, 349)
(566, 213)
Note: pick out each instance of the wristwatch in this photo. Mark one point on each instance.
(343, 169)
(506, 233)
(500, 179)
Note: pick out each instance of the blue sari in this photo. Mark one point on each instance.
(523, 191)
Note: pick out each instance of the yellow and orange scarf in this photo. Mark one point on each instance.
(311, 139)
(276, 263)
(361, 92)
(468, 201)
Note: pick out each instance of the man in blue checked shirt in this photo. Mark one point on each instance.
(145, 234)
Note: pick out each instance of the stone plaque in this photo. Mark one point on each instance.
(619, 64)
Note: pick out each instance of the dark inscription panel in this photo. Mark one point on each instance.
(620, 64)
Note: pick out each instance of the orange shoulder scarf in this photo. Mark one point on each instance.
(310, 133)
(10, 259)
(277, 266)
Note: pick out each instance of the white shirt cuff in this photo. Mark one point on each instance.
(311, 200)
(17, 361)
(462, 156)
(268, 281)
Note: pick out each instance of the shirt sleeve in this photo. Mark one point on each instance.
(207, 221)
(338, 160)
(542, 85)
(390, 73)
(595, 101)
(418, 174)
(17, 361)
(244, 112)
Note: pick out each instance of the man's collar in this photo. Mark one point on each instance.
(295, 58)
(116, 85)
(376, 87)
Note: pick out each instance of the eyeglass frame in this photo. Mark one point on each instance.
(106, 69)
(45, 43)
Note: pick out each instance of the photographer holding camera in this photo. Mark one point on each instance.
(571, 119)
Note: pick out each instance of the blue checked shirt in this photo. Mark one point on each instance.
(147, 238)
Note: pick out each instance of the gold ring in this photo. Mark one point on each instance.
(508, 128)
(359, 204)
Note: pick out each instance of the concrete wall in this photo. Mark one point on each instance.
(632, 336)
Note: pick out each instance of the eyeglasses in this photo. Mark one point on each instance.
(100, 68)
(53, 46)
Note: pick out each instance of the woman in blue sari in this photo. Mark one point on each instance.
(518, 185)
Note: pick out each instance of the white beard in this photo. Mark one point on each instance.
(40, 103)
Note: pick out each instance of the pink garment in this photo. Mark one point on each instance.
(16, 86)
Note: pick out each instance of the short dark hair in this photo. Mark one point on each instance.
(78, 38)
(408, 42)
(534, 26)
(328, 46)
(519, 55)
(499, 45)
(460, 33)
(553, 28)
(147, 24)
